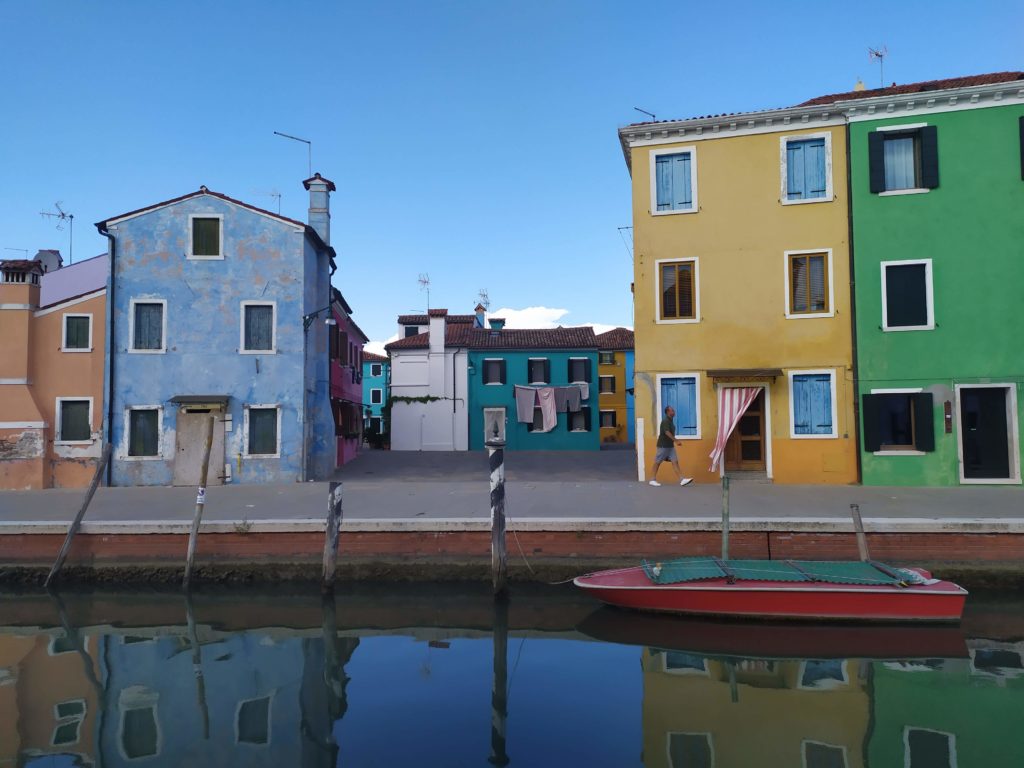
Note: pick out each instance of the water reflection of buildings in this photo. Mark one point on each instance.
(264, 700)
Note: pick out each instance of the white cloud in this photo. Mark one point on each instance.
(543, 317)
(377, 347)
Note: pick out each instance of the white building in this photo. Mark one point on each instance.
(429, 360)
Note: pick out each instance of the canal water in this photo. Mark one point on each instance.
(441, 676)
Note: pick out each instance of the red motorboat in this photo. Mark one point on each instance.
(789, 589)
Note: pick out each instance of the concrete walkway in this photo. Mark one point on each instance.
(545, 491)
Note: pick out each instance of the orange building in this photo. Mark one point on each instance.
(52, 322)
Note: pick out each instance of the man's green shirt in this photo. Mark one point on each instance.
(667, 425)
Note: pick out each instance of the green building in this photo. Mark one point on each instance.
(937, 195)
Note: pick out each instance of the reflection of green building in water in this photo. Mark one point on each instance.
(950, 713)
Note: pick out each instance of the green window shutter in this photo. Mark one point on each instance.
(924, 421)
(143, 439)
(876, 161)
(870, 413)
(76, 333)
(929, 137)
(205, 237)
(502, 374)
(262, 431)
(74, 420)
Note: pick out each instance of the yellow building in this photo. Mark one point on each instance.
(741, 287)
(702, 711)
(615, 384)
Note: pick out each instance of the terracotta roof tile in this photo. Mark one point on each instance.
(423, 319)
(922, 87)
(373, 357)
(463, 335)
(617, 338)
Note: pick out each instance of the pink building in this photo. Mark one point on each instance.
(346, 378)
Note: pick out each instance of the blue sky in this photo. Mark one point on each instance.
(473, 141)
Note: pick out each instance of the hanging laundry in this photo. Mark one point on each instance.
(584, 388)
(526, 399)
(549, 416)
(573, 397)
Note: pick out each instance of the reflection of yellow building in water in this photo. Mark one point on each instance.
(785, 713)
(47, 704)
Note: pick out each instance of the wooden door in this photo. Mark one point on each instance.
(986, 434)
(745, 449)
(190, 441)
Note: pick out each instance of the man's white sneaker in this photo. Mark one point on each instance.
(655, 483)
(686, 481)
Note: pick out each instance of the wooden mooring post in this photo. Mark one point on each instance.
(331, 536)
(197, 664)
(858, 526)
(499, 554)
(200, 503)
(77, 522)
(725, 517)
(499, 688)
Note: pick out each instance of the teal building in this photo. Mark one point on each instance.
(376, 380)
(937, 196)
(500, 358)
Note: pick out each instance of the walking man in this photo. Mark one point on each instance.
(667, 448)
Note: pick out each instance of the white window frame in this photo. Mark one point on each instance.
(59, 417)
(128, 432)
(1012, 420)
(898, 391)
(380, 392)
(668, 745)
(580, 381)
(190, 256)
(270, 720)
(76, 720)
(64, 331)
(241, 328)
(784, 163)
(483, 372)
(245, 432)
(696, 401)
(654, 155)
(606, 376)
(131, 326)
(803, 751)
(600, 354)
(790, 315)
(908, 127)
(929, 290)
(602, 426)
(831, 372)
(529, 369)
(696, 291)
(379, 367)
(950, 738)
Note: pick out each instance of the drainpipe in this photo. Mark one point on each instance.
(853, 306)
(108, 346)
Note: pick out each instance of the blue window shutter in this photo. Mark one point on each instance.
(801, 406)
(821, 404)
(681, 394)
(795, 170)
(812, 404)
(682, 192)
(663, 171)
(814, 168)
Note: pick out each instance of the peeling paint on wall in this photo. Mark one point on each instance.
(17, 446)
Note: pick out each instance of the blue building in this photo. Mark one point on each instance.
(376, 387)
(557, 358)
(217, 308)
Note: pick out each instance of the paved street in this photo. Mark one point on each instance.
(564, 487)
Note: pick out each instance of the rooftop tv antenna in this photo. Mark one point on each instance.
(61, 216)
(483, 299)
(880, 54)
(650, 114)
(627, 243)
(270, 193)
(424, 281)
(23, 250)
(309, 148)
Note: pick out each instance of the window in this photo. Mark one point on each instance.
(69, 716)
(140, 735)
(376, 396)
(579, 421)
(74, 418)
(823, 674)
(206, 239)
(537, 425)
(144, 432)
(258, 327)
(812, 404)
(674, 181)
(606, 385)
(608, 420)
(538, 370)
(375, 424)
(376, 369)
(77, 333)
(579, 370)
(808, 284)
(411, 330)
(680, 391)
(898, 421)
(253, 721)
(678, 662)
(261, 434)
(806, 168)
(147, 326)
(907, 296)
(818, 755)
(690, 750)
(903, 158)
(494, 371)
(606, 358)
(929, 749)
(677, 290)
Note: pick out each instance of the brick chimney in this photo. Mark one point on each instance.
(320, 205)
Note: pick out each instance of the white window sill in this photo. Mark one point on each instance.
(494, 383)
(538, 384)
(579, 430)
(794, 436)
(685, 437)
(675, 212)
(75, 349)
(192, 257)
(822, 199)
(147, 351)
(140, 458)
(261, 455)
(73, 442)
(808, 315)
(897, 329)
(991, 481)
(900, 453)
(606, 393)
(609, 427)
(895, 192)
(257, 351)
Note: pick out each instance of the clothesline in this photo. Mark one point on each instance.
(550, 400)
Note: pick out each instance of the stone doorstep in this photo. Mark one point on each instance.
(594, 526)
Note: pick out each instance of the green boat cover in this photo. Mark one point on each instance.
(831, 572)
